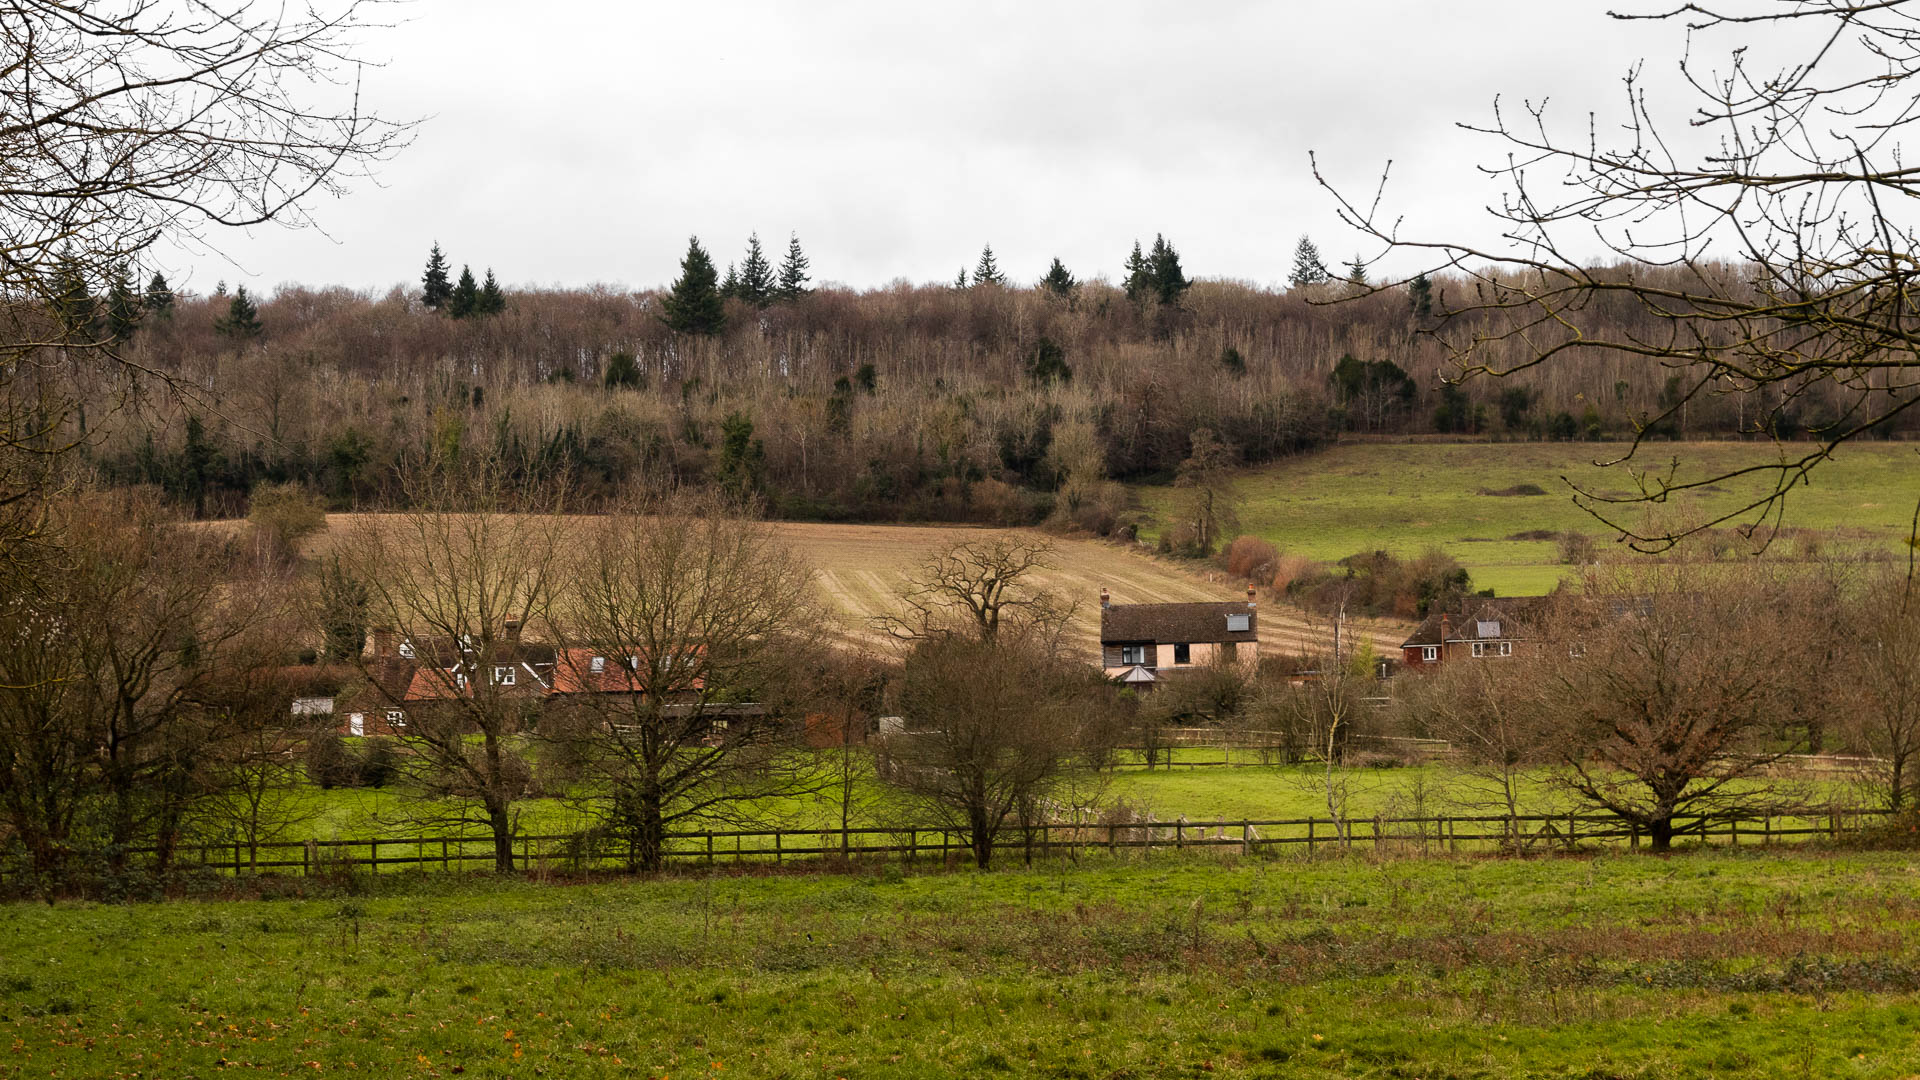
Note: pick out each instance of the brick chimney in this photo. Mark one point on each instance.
(1446, 628)
(383, 641)
(1105, 601)
(1250, 598)
(512, 628)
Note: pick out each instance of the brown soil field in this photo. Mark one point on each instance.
(861, 566)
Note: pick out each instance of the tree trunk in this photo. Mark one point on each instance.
(649, 834)
(502, 827)
(981, 837)
(1660, 832)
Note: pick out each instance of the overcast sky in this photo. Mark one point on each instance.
(578, 142)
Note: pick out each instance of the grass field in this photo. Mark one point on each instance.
(1405, 497)
(1708, 964)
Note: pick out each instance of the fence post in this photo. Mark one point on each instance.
(709, 847)
(1453, 836)
(776, 847)
(373, 855)
(306, 859)
(1376, 833)
(1734, 823)
(913, 845)
(446, 863)
(1109, 837)
(1766, 835)
(1309, 837)
(1246, 837)
(1179, 834)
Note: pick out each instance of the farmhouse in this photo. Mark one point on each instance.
(406, 675)
(1483, 628)
(1142, 643)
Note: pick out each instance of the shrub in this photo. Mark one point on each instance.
(1251, 558)
(1576, 548)
(1288, 569)
(327, 761)
(378, 763)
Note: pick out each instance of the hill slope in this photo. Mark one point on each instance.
(1407, 496)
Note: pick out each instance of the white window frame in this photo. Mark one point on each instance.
(396, 718)
(503, 674)
(406, 649)
(597, 665)
(1506, 648)
(1479, 648)
(1429, 653)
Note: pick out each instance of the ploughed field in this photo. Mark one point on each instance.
(1498, 507)
(860, 568)
(1717, 963)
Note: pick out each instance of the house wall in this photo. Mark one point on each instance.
(1246, 654)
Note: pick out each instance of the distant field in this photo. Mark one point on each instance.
(860, 567)
(1405, 497)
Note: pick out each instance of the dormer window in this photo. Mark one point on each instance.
(406, 649)
(633, 663)
(460, 680)
(597, 665)
(503, 676)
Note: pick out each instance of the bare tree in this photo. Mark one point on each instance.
(982, 587)
(993, 730)
(1764, 245)
(1205, 481)
(1669, 678)
(1325, 708)
(126, 667)
(1879, 682)
(681, 622)
(127, 124)
(1491, 713)
(461, 575)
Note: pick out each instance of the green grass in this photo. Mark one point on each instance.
(1710, 964)
(1406, 497)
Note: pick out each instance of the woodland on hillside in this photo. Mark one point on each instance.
(990, 403)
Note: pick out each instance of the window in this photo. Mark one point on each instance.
(1430, 653)
(597, 665)
(396, 718)
(1506, 648)
(460, 681)
(1133, 654)
(503, 676)
(406, 649)
(1479, 648)
(1183, 654)
(1239, 624)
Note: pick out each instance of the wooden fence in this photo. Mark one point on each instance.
(935, 845)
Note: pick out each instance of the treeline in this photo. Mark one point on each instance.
(904, 402)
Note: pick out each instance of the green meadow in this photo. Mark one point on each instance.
(1408, 496)
(1712, 963)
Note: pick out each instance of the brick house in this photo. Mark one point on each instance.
(1482, 628)
(1142, 643)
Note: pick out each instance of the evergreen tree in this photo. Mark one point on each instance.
(242, 321)
(1137, 279)
(1233, 362)
(757, 283)
(1308, 269)
(1048, 363)
(742, 457)
(159, 296)
(123, 306)
(1169, 282)
(1357, 272)
(622, 371)
(692, 305)
(1420, 295)
(730, 285)
(491, 300)
(961, 281)
(793, 271)
(435, 287)
(465, 298)
(220, 287)
(1059, 281)
(986, 271)
(74, 305)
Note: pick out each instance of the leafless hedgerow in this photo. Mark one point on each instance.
(1765, 244)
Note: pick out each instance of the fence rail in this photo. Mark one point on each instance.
(1309, 836)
